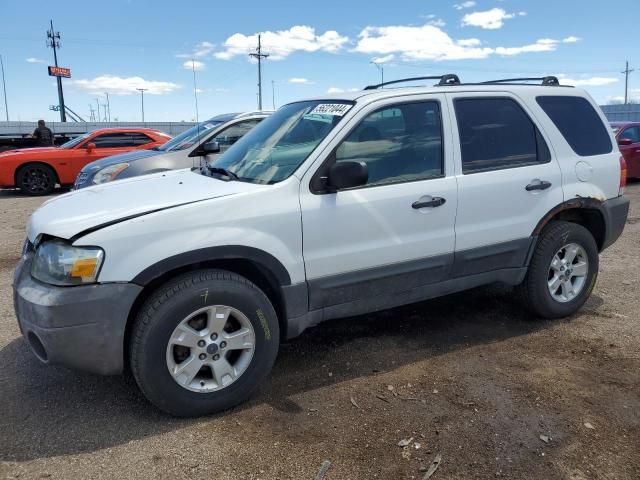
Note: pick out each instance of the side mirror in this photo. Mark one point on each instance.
(625, 141)
(211, 147)
(347, 174)
(90, 147)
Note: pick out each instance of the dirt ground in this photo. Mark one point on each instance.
(468, 376)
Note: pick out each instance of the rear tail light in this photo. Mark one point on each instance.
(623, 175)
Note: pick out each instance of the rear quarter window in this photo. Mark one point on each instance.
(579, 124)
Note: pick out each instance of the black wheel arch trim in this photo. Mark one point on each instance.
(574, 203)
(226, 252)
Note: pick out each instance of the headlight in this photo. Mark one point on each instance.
(58, 263)
(109, 174)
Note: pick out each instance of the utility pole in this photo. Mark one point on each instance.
(4, 89)
(626, 82)
(381, 70)
(104, 109)
(273, 94)
(142, 90)
(53, 41)
(92, 116)
(98, 104)
(108, 105)
(195, 89)
(259, 55)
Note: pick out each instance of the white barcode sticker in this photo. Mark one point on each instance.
(338, 109)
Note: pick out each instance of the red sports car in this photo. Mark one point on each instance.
(628, 136)
(36, 171)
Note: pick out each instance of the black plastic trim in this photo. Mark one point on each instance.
(512, 254)
(371, 282)
(615, 212)
(227, 252)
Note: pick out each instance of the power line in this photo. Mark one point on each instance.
(53, 41)
(626, 72)
(259, 55)
(4, 89)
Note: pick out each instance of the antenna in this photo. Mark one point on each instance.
(259, 55)
(53, 41)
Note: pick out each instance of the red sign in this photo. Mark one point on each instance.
(59, 72)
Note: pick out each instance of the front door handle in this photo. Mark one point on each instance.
(433, 202)
(537, 185)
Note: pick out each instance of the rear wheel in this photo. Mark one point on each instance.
(203, 343)
(562, 272)
(36, 179)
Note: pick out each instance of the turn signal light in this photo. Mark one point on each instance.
(623, 175)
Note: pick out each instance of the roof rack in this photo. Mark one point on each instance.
(448, 79)
(549, 81)
(451, 79)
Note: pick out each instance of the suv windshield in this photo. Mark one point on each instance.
(189, 137)
(74, 141)
(273, 150)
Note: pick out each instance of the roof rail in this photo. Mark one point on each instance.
(448, 79)
(549, 81)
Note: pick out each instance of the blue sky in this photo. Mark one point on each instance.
(315, 47)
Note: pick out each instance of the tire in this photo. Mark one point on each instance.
(160, 321)
(36, 179)
(542, 276)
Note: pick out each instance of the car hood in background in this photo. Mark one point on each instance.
(95, 207)
(122, 158)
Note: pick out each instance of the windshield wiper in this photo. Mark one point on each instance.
(223, 171)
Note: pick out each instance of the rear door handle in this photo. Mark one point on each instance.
(537, 185)
(433, 202)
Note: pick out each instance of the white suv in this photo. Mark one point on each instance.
(329, 208)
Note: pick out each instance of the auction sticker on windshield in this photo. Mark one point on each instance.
(338, 109)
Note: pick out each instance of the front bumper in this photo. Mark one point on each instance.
(80, 327)
(615, 213)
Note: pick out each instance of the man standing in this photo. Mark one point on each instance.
(43, 134)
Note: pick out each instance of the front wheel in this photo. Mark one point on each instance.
(203, 343)
(36, 179)
(562, 272)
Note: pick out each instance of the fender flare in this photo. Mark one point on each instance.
(226, 252)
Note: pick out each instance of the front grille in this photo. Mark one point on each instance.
(82, 178)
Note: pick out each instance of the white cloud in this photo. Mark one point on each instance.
(123, 85)
(463, 5)
(222, 89)
(202, 49)
(428, 42)
(541, 45)
(199, 90)
(300, 81)
(385, 59)
(35, 60)
(194, 64)
(438, 22)
(571, 39)
(489, 19)
(587, 81)
(283, 43)
(342, 90)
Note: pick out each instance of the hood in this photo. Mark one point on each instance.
(122, 158)
(29, 150)
(90, 208)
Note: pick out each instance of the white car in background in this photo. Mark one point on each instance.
(183, 151)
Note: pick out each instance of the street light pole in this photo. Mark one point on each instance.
(381, 70)
(108, 106)
(4, 89)
(142, 90)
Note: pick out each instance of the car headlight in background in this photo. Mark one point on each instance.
(109, 174)
(58, 263)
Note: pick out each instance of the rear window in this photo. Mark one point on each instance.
(579, 124)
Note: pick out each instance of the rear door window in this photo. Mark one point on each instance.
(579, 124)
(631, 133)
(496, 133)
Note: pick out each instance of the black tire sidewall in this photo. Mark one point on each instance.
(561, 234)
(46, 169)
(152, 372)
